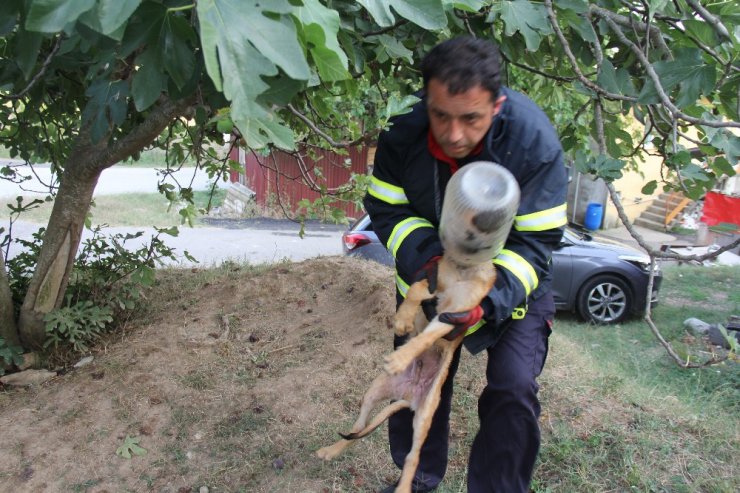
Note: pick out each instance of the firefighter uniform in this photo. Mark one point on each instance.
(404, 201)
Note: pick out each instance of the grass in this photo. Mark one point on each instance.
(152, 158)
(129, 209)
(625, 417)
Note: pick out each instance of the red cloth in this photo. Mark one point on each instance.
(438, 153)
(719, 208)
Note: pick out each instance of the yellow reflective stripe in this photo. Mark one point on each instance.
(402, 230)
(542, 220)
(522, 270)
(401, 285)
(387, 192)
(475, 327)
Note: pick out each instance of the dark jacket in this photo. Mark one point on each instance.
(405, 198)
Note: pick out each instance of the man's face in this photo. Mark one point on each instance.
(460, 121)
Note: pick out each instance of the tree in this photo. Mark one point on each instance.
(86, 84)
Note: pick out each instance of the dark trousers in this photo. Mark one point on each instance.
(505, 449)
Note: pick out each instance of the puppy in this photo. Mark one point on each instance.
(415, 372)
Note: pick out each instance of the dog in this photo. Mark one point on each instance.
(415, 372)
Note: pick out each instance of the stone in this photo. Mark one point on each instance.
(699, 327)
(27, 378)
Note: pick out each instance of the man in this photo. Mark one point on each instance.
(464, 116)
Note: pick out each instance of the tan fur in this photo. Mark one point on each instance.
(415, 372)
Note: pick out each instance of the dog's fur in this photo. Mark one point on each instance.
(415, 372)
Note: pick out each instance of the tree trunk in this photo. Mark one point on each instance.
(61, 239)
(64, 231)
(8, 330)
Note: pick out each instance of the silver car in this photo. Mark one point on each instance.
(603, 281)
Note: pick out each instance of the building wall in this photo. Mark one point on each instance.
(281, 178)
(629, 188)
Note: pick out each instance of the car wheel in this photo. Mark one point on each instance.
(604, 300)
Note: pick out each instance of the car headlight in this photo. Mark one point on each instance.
(642, 262)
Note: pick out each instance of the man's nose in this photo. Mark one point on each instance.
(455, 131)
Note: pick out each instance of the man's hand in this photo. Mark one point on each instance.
(428, 271)
(461, 320)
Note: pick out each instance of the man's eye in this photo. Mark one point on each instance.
(471, 118)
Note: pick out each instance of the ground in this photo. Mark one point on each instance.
(229, 379)
(228, 383)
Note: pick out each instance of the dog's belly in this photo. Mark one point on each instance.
(414, 383)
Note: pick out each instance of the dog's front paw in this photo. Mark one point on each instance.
(396, 362)
(402, 327)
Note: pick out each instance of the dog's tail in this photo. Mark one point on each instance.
(384, 414)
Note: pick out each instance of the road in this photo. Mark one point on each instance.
(255, 241)
(114, 180)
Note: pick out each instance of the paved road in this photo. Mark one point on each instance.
(255, 241)
(115, 180)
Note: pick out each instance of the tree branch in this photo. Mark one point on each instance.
(711, 19)
(558, 78)
(574, 62)
(363, 139)
(656, 80)
(142, 134)
(40, 73)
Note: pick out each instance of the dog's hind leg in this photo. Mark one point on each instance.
(381, 388)
(423, 419)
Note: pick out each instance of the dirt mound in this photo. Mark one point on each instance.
(230, 380)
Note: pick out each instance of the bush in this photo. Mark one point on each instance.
(106, 283)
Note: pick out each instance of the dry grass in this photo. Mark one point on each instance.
(245, 412)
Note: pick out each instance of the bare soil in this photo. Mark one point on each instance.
(231, 383)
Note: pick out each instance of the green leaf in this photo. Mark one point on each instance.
(179, 59)
(577, 6)
(579, 24)
(27, 49)
(618, 140)
(112, 14)
(527, 18)
(9, 10)
(722, 166)
(649, 187)
(107, 107)
(687, 69)
(395, 48)
(231, 25)
(427, 14)
(281, 91)
(468, 5)
(607, 77)
(130, 446)
(321, 26)
(701, 31)
(50, 16)
(228, 49)
(399, 105)
(148, 81)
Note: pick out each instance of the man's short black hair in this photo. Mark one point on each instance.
(463, 63)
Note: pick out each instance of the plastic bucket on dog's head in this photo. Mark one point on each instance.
(480, 203)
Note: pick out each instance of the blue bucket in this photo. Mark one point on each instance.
(594, 214)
